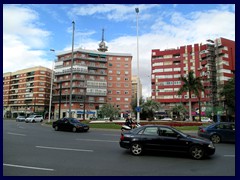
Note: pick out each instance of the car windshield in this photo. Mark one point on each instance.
(31, 116)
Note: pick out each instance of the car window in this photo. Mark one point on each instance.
(221, 126)
(167, 132)
(151, 131)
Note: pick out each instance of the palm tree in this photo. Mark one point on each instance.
(191, 85)
(149, 107)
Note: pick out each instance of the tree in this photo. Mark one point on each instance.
(150, 107)
(228, 93)
(109, 110)
(179, 109)
(191, 85)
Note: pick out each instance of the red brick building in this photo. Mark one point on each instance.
(99, 77)
(214, 61)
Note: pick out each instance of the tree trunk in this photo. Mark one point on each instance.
(190, 107)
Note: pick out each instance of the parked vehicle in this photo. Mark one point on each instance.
(165, 138)
(34, 118)
(70, 124)
(206, 119)
(166, 119)
(20, 119)
(218, 132)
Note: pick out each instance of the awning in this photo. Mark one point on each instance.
(86, 112)
(93, 55)
(103, 55)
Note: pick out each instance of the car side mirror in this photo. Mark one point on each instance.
(179, 136)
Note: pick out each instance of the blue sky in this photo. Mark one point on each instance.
(41, 27)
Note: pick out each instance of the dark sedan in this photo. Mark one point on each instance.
(70, 124)
(218, 132)
(165, 138)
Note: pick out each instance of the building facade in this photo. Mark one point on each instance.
(26, 91)
(135, 80)
(98, 77)
(213, 61)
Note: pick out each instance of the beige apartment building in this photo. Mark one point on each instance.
(135, 80)
(26, 91)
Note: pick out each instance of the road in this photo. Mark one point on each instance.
(33, 149)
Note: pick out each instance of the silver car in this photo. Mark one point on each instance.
(34, 118)
(20, 119)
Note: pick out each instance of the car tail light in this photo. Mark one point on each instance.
(202, 130)
(122, 137)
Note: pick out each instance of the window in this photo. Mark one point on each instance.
(167, 132)
(150, 131)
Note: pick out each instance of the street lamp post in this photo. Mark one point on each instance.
(50, 102)
(60, 101)
(70, 94)
(138, 89)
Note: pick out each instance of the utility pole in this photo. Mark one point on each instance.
(70, 94)
(50, 101)
(138, 83)
(60, 101)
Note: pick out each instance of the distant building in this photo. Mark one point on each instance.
(213, 61)
(26, 91)
(98, 78)
(134, 87)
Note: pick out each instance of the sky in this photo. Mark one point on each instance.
(27, 39)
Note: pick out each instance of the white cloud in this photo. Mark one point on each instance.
(21, 38)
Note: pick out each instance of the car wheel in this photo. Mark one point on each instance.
(41, 120)
(56, 128)
(136, 149)
(197, 152)
(74, 129)
(33, 121)
(215, 138)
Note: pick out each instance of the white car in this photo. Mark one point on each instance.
(34, 118)
(206, 119)
(20, 118)
(166, 119)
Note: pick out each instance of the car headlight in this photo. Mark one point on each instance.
(211, 145)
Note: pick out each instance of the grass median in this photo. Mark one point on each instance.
(112, 125)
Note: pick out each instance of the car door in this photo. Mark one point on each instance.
(150, 138)
(230, 132)
(172, 141)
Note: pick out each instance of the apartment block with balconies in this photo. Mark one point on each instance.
(214, 62)
(26, 91)
(97, 78)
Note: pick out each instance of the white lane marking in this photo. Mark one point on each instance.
(16, 134)
(229, 155)
(117, 135)
(97, 140)
(28, 167)
(64, 149)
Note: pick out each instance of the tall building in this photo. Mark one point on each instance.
(213, 61)
(134, 87)
(99, 77)
(26, 91)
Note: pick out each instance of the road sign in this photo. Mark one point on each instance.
(138, 109)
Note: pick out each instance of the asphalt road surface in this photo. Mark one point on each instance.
(33, 149)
